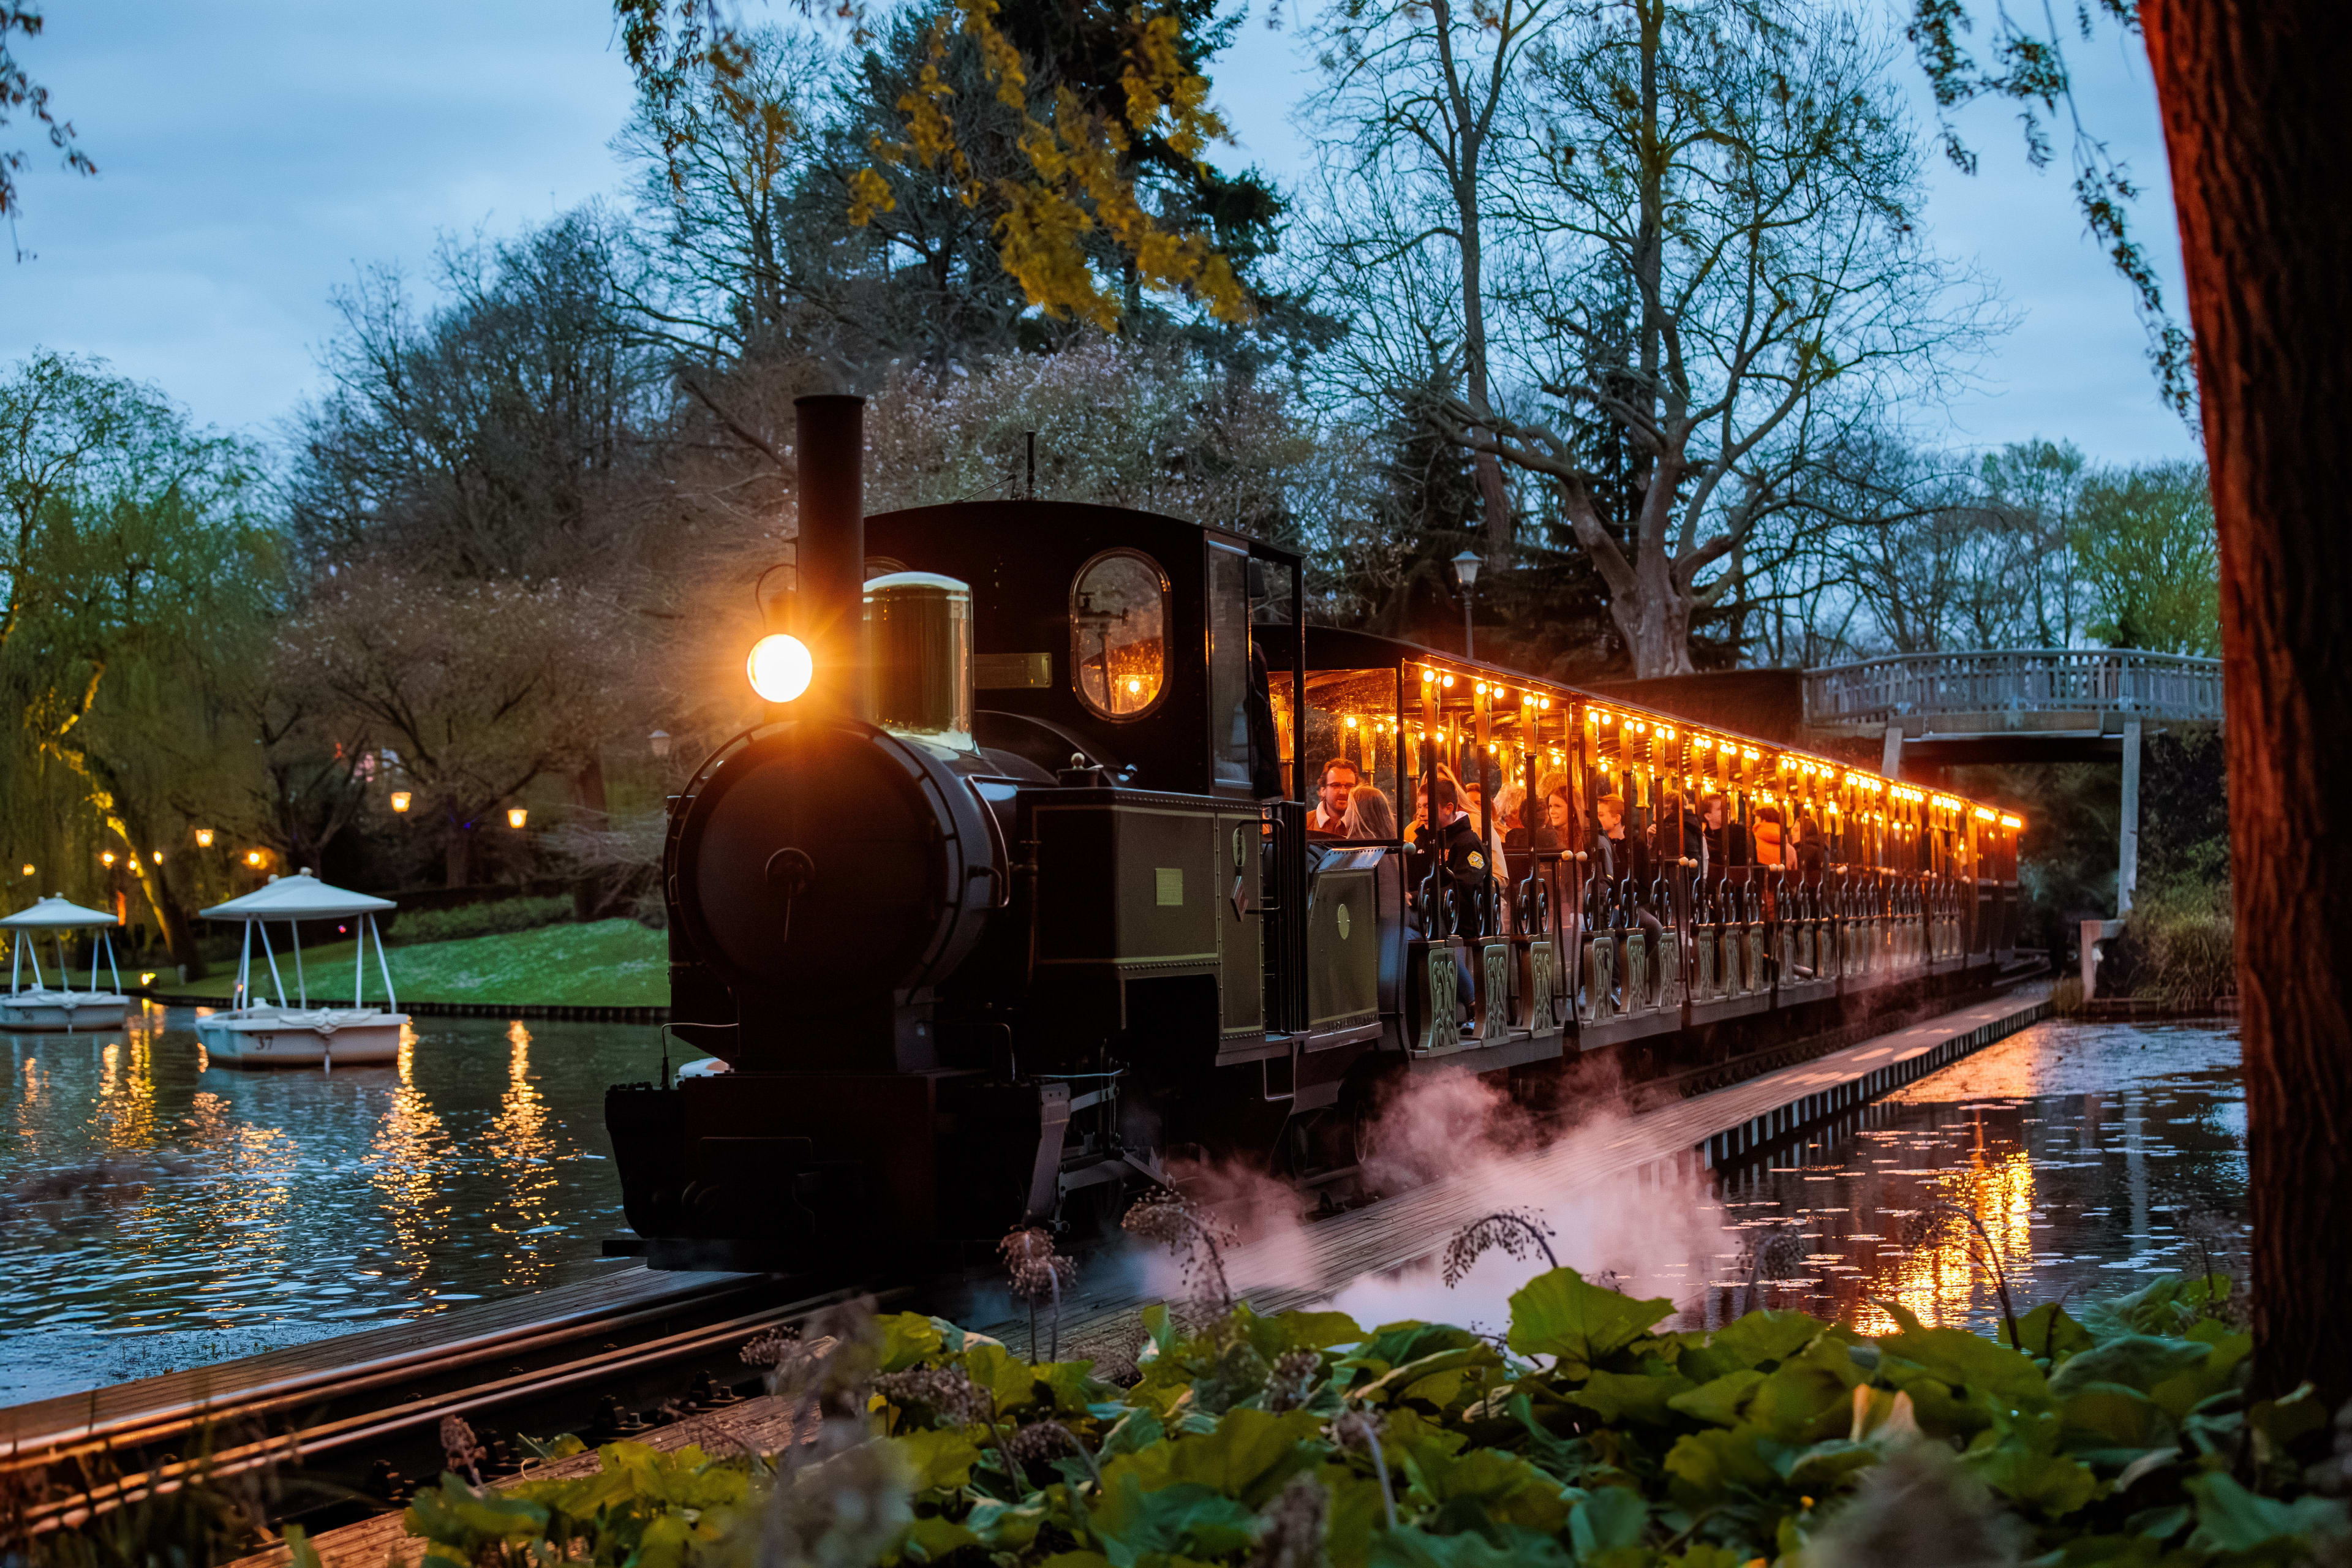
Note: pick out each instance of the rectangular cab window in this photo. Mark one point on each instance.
(1351, 716)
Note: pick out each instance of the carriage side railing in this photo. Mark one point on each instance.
(2178, 687)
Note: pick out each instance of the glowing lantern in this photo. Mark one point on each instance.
(106, 859)
(400, 799)
(780, 667)
(517, 817)
(255, 857)
(28, 869)
(203, 837)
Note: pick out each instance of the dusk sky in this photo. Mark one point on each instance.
(254, 156)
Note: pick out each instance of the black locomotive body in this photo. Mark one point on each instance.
(1066, 931)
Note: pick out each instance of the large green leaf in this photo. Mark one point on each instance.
(1418, 1549)
(1298, 1331)
(2231, 1519)
(2134, 1360)
(1764, 1335)
(1719, 1401)
(1436, 1379)
(1392, 1345)
(1353, 1516)
(941, 1460)
(2033, 1475)
(1009, 1380)
(1820, 1466)
(1970, 1365)
(907, 1338)
(2112, 1416)
(2047, 1331)
(1631, 1395)
(1704, 1466)
(1610, 1519)
(1808, 1396)
(1248, 1457)
(1504, 1486)
(1188, 1519)
(1559, 1314)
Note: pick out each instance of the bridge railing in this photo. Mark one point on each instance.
(2099, 680)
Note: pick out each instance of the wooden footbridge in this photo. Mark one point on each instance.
(2002, 705)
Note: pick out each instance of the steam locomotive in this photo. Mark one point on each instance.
(1010, 907)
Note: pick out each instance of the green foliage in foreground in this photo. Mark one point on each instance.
(1586, 1437)
(606, 963)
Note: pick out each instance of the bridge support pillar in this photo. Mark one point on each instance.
(1890, 758)
(2127, 845)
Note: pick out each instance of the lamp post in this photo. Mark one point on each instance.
(1465, 572)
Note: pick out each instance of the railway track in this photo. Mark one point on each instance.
(341, 1442)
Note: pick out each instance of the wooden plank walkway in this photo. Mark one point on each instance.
(1672, 1143)
(629, 1286)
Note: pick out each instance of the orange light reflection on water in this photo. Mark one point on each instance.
(1946, 1276)
(519, 1141)
(407, 1160)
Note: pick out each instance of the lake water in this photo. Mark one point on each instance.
(2095, 1158)
(157, 1213)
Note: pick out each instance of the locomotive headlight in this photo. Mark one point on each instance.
(780, 667)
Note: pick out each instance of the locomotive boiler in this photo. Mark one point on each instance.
(1013, 906)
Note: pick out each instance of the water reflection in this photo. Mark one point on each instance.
(208, 1212)
(2095, 1158)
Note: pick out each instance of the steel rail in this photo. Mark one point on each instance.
(385, 1424)
(63, 1443)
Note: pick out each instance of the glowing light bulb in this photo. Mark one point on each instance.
(254, 857)
(204, 839)
(517, 815)
(780, 667)
(400, 799)
(1352, 720)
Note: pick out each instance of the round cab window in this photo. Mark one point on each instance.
(1118, 632)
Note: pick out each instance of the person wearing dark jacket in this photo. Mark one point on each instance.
(1723, 843)
(1461, 860)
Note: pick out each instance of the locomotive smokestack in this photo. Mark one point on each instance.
(830, 559)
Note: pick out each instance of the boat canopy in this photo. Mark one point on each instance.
(300, 897)
(55, 912)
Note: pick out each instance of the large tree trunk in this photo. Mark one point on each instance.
(2253, 98)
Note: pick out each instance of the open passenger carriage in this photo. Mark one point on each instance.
(1739, 876)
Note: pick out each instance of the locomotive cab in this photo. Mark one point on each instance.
(959, 973)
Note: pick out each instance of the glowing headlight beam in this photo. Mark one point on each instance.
(780, 667)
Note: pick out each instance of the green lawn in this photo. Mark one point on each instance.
(609, 963)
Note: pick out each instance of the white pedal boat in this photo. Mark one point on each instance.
(59, 1009)
(296, 1034)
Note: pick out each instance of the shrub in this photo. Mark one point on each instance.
(477, 920)
(1587, 1434)
(2183, 945)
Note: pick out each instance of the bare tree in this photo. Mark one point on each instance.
(1708, 243)
(1416, 96)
